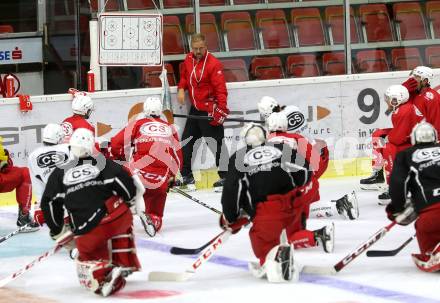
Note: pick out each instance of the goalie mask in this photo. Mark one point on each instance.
(82, 143)
(396, 95)
(153, 106)
(423, 132)
(254, 134)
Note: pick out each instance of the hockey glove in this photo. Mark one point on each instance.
(38, 217)
(233, 227)
(411, 85)
(219, 115)
(171, 183)
(64, 238)
(403, 218)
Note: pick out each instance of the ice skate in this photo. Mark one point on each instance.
(25, 220)
(374, 182)
(148, 224)
(347, 206)
(384, 198)
(115, 283)
(218, 185)
(187, 183)
(326, 236)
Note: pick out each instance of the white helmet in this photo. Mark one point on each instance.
(423, 132)
(153, 106)
(82, 104)
(423, 72)
(277, 122)
(53, 133)
(296, 120)
(82, 143)
(396, 95)
(266, 106)
(253, 134)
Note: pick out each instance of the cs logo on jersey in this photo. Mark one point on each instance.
(80, 173)
(426, 154)
(51, 159)
(261, 155)
(296, 121)
(67, 128)
(155, 129)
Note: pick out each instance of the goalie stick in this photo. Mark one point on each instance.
(4, 238)
(177, 190)
(205, 255)
(389, 253)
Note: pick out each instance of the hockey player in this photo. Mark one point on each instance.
(14, 177)
(416, 173)
(271, 205)
(82, 108)
(95, 192)
(157, 158)
(43, 160)
(346, 206)
(404, 117)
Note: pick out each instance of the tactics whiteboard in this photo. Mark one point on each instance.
(130, 39)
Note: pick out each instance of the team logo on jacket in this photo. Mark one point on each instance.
(51, 159)
(67, 128)
(426, 154)
(155, 129)
(80, 173)
(262, 155)
(429, 96)
(296, 121)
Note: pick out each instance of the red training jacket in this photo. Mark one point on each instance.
(404, 118)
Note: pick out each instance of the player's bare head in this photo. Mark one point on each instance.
(198, 45)
(423, 75)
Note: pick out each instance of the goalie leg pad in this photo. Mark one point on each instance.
(123, 252)
(92, 274)
(303, 239)
(429, 262)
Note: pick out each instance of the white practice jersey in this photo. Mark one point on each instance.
(42, 162)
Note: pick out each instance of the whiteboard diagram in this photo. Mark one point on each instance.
(130, 39)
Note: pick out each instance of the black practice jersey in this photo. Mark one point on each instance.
(83, 187)
(416, 170)
(255, 173)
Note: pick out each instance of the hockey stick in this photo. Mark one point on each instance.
(206, 254)
(21, 271)
(211, 118)
(192, 251)
(4, 238)
(351, 256)
(389, 253)
(177, 190)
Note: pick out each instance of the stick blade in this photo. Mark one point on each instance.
(381, 253)
(319, 270)
(169, 276)
(184, 251)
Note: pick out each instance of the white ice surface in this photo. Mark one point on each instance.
(224, 278)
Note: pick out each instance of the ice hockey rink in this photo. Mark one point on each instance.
(225, 277)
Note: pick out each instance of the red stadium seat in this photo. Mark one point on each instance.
(173, 41)
(433, 14)
(409, 21)
(140, 4)
(333, 63)
(264, 68)
(240, 2)
(308, 26)
(302, 66)
(150, 75)
(112, 5)
(208, 27)
(375, 22)
(176, 3)
(372, 61)
(432, 56)
(212, 2)
(273, 28)
(6, 28)
(334, 17)
(238, 31)
(235, 70)
(405, 58)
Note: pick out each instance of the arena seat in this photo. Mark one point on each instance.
(140, 4)
(6, 28)
(334, 17)
(376, 24)
(433, 14)
(372, 61)
(264, 68)
(405, 58)
(304, 65)
(173, 41)
(208, 27)
(432, 56)
(410, 24)
(333, 63)
(307, 26)
(238, 31)
(272, 28)
(151, 74)
(112, 5)
(235, 70)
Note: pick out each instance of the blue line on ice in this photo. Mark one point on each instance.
(307, 278)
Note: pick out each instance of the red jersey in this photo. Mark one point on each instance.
(204, 81)
(156, 146)
(74, 122)
(428, 102)
(404, 118)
